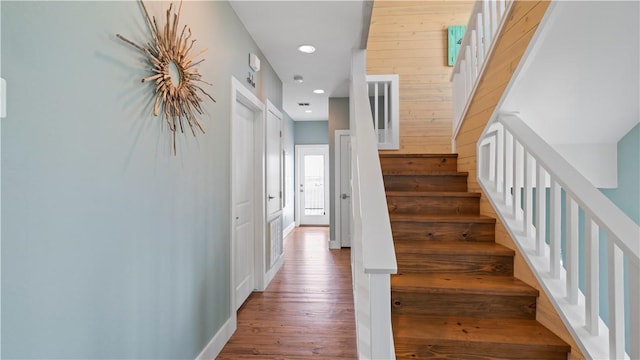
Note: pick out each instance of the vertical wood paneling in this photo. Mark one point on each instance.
(409, 38)
(522, 23)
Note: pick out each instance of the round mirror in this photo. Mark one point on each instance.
(175, 73)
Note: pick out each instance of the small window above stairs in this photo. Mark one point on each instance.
(455, 296)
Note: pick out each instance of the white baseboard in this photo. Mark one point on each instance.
(288, 229)
(219, 340)
(273, 271)
(334, 244)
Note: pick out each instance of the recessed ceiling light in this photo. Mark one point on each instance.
(307, 111)
(318, 91)
(307, 49)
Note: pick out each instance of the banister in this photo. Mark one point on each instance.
(505, 144)
(373, 253)
(379, 256)
(488, 18)
(600, 208)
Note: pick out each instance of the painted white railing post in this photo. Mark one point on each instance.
(508, 170)
(517, 180)
(556, 226)
(376, 107)
(474, 54)
(616, 302)
(528, 193)
(499, 160)
(494, 18)
(488, 33)
(560, 280)
(572, 250)
(541, 210)
(481, 43)
(387, 116)
(592, 293)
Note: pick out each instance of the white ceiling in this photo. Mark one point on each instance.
(581, 82)
(335, 28)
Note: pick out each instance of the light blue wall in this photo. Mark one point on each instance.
(111, 246)
(627, 195)
(311, 132)
(288, 143)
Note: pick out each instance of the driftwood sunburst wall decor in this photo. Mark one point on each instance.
(178, 94)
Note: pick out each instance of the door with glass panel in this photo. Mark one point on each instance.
(312, 185)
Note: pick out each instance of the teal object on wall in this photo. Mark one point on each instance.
(456, 34)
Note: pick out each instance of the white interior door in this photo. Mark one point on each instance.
(344, 190)
(313, 184)
(274, 160)
(243, 195)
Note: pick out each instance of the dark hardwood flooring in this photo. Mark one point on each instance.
(307, 310)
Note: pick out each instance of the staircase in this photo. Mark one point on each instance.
(454, 296)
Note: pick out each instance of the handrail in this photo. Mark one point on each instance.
(486, 21)
(513, 161)
(373, 254)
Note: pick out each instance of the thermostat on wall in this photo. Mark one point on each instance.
(254, 62)
(3, 98)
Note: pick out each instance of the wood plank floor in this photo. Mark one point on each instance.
(307, 310)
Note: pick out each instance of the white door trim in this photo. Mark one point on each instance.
(298, 198)
(337, 220)
(239, 93)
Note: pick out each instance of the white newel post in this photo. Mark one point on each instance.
(381, 335)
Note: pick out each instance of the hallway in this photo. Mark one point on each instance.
(307, 310)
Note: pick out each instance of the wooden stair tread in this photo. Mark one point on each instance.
(391, 155)
(420, 328)
(461, 194)
(423, 218)
(418, 172)
(443, 283)
(455, 295)
(463, 248)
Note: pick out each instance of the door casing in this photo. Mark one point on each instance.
(239, 93)
(298, 177)
(338, 242)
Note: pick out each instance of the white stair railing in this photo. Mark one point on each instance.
(384, 95)
(487, 17)
(372, 251)
(515, 169)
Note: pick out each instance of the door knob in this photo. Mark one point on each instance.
(345, 196)
(271, 197)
